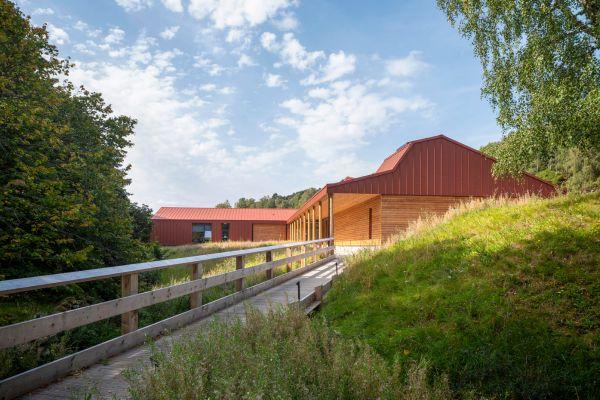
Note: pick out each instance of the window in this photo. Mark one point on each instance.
(225, 231)
(201, 233)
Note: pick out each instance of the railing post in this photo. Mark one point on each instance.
(288, 253)
(319, 293)
(269, 258)
(196, 297)
(239, 264)
(303, 259)
(129, 286)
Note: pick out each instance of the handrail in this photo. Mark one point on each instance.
(131, 301)
(12, 286)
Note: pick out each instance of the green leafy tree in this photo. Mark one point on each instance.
(541, 73)
(63, 202)
(141, 216)
(225, 204)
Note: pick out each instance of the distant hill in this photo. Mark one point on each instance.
(293, 200)
(503, 296)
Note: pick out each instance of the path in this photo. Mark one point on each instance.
(106, 380)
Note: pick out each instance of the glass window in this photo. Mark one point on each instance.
(201, 233)
(225, 231)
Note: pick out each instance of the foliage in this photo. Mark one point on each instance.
(63, 203)
(225, 204)
(141, 216)
(541, 72)
(569, 168)
(294, 200)
(281, 355)
(501, 295)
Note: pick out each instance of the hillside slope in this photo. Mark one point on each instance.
(502, 296)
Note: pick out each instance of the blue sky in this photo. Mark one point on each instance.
(242, 98)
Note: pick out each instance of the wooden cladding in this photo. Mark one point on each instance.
(266, 232)
(397, 212)
(359, 222)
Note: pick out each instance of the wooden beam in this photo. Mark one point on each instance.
(196, 297)
(129, 286)
(239, 264)
(320, 220)
(313, 229)
(269, 258)
(331, 225)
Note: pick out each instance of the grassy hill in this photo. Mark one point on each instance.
(502, 296)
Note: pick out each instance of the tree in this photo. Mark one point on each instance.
(141, 216)
(224, 204)
(63, 199)
(541, 73)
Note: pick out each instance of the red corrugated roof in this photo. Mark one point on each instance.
(391, 161)
(224, 214)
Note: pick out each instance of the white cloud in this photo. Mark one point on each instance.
(292, 53)
(173, 5)
(83, 49)
(338, 65)
(115, 36)
(81, 26)
(43, 11)
(57, 35)
(268, 40)
(336, 120)
(245, 61)
(236, 13)
(134, 5)
(169, 33)
(407, 66)
(287, 22)
(206, 64)
(235, 35)
(273, 80)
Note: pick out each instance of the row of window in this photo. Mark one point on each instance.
(202, 232)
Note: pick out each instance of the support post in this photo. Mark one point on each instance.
(331, 230)
(319, 293)
(288, 253)
(313, 231)
(269, 258)
(239, 264)
(196, 297)
(320, 216)
(129, 286)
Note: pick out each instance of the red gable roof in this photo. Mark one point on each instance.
(391, 161)
(224, 214)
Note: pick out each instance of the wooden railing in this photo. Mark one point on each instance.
(131, 301)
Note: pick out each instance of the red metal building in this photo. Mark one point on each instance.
(183, 225)
(425, 176)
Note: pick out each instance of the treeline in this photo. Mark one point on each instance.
(63, 199)
(294, 200)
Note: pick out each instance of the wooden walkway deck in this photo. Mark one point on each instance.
(105, 381)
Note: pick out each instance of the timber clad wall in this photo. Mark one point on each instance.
(352, 224)
(264, 232)
(398, 211)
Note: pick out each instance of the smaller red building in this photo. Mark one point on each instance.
(175, 226)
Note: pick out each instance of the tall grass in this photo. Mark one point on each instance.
(280, 355)
(502, 295)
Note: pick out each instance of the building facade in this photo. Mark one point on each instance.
(426, 176)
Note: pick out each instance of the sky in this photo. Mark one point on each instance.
(245, 98)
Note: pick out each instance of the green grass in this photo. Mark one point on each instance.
(501, 296)
(281, 355)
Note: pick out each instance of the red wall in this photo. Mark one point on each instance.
(440, 167)
(175, 233)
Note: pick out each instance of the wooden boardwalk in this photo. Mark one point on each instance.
(105, 380)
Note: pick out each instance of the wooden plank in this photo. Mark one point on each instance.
(239, 265)
(27, 381)
(269, 258)
(288, 254)
(26, 331)
(196, 297)
(129, 319)
(45, 281)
